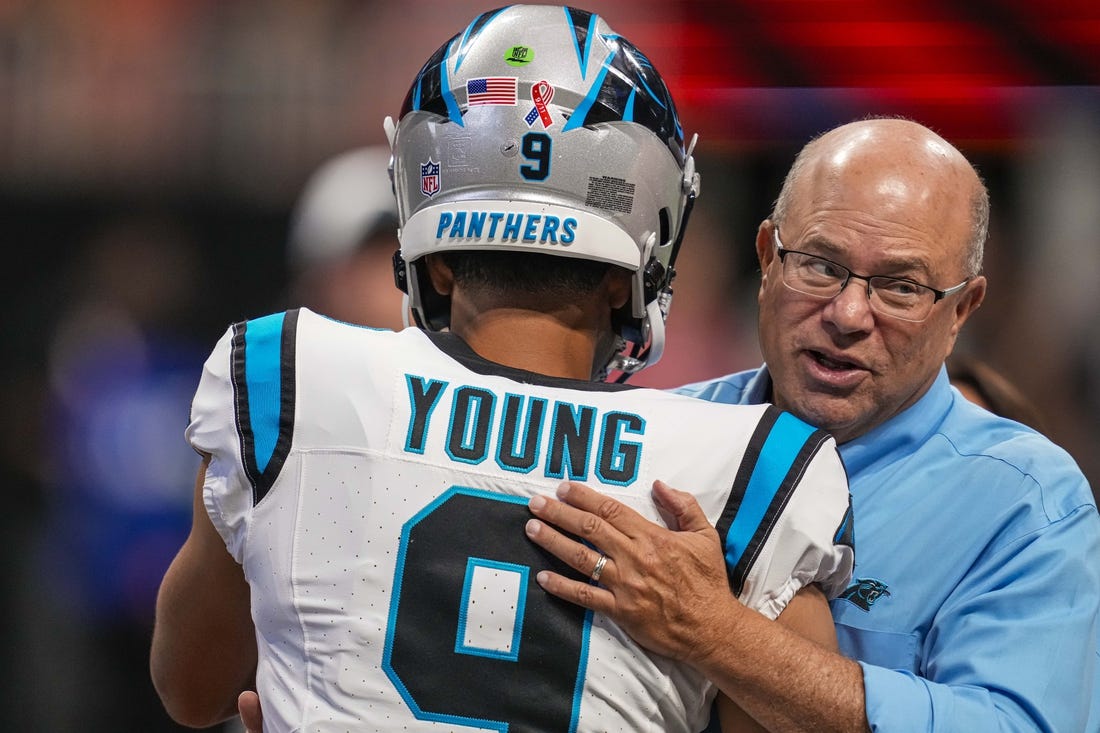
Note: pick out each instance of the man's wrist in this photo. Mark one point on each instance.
(717, 641)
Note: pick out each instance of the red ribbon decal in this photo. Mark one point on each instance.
(541, 94)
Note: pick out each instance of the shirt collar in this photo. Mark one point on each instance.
(898, 435)
(902, 433)
(758, 390)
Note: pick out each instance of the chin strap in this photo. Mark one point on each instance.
(406, 307)
(648, 353)
(658, 291)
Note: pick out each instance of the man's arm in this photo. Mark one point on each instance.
(669, 590)
(204, 643)
(807, 614)
(1012, 646)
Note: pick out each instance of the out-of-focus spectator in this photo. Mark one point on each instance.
(983, 385)
(117, 477)
(343, 236)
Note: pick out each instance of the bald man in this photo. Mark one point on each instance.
(975, 597)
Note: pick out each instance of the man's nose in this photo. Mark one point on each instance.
(850, 311)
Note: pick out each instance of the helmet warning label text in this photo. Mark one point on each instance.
(610, 194)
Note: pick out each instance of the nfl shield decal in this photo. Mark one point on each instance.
(429, 178)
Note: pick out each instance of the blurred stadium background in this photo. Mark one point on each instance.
(151, 152)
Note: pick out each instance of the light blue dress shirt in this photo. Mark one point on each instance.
(974, 604)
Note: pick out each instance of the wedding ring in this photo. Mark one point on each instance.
(598, 570)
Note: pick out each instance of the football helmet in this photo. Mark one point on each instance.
(540, 129)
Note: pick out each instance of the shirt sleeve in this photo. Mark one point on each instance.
(1013, 648)
(227, 491)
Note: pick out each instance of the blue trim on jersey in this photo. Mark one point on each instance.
(580, 114)
(566, 453)
(414, 410)
(784, 443)
(618, 461)
(524, 572)
(845, 534)
(582, 671)
(263, 377)
(524, 420)
(474, 407)
(395, 596)
(263, 380)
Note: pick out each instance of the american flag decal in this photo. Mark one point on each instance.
(492, 90)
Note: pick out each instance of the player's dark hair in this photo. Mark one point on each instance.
(503, 272)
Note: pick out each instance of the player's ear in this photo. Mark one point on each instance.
(619, 286)
(443, 280)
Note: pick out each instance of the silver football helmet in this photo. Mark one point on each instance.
(540, 129)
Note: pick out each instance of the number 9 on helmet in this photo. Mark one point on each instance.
(540, 129)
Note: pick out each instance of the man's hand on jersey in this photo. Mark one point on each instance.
(662, 585)
(248, 705)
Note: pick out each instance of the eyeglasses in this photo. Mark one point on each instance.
(891, 296)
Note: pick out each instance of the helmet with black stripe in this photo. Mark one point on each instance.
(540, 129)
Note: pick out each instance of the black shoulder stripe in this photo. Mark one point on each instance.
(782, 497)
(740, 484)
(263, 376)
(780, 450)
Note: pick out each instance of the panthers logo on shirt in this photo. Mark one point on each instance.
(864, 592)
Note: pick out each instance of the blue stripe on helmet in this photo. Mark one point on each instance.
(576, 120)
(582, 55)
(471, 33)
(453, 110)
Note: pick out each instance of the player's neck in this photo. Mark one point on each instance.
(555, 344)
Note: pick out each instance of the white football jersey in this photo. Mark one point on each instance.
(373, 485)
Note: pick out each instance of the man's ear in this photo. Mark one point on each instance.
(443, 280)
(969, 301)
(765, 248)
